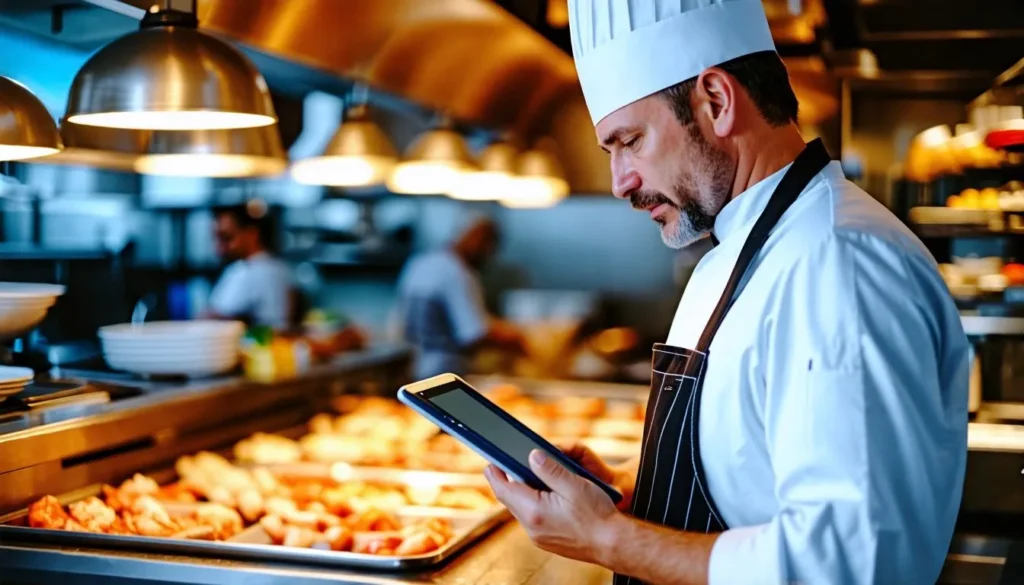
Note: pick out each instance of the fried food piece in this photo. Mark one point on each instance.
(266, 482)
(250, 504)
(121, 497)
(336, 501)
(267, 449)
(373, 520)
(339, 538)
(321, 423)
(224, 521)
(176, 492)
(464, 498)
(93, 514)
(148, 517)
(47, 512)
(376, 543)
(278, 506)
(438, 525)
(420, 542)
(274, 527)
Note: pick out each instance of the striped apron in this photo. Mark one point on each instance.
(671, 488)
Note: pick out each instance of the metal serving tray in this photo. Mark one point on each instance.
(254, 544)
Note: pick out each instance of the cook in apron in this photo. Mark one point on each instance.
(671, 489)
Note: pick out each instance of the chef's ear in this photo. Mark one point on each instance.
(717, 94)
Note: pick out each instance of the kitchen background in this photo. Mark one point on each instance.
(871, 77)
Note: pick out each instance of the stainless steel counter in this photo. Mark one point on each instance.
(505, 558)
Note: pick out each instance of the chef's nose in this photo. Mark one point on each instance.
(625, 179)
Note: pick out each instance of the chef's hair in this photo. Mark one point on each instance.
(763, 75)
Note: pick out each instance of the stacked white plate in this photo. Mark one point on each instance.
(24, 305)
(14, 380)
(173, 348)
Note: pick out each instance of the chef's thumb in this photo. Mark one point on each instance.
(549, 471)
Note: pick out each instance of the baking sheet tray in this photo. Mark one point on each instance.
(253, 544)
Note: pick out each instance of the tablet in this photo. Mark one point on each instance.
(466, 414)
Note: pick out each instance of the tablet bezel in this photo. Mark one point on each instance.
(416, 396)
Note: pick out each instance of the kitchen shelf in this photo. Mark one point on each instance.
(962, 231)
(34, 252)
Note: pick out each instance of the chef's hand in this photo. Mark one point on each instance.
(576, 519)
(623, 480)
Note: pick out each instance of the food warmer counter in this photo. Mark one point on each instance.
(152, 431)
(157, 430)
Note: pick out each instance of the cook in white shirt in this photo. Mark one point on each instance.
(255, 287)
(829, 432)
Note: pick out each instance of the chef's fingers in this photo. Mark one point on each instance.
(558, 478)
(517, 497)
(573, 450)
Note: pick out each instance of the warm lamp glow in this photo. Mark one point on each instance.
(425, 177)
(484, 186)
(191, 120)
(343, 171)
(207, 165)
(536, 193)
(14, 152)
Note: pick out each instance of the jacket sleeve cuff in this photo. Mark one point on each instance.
(735, 557)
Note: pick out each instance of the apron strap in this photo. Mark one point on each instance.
(807, 165)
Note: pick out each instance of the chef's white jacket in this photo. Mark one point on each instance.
(833, 421)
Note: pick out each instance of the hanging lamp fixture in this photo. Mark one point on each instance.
(170, 76)
(358, 155)
(495, 178)
(541, 181)
(26, 128)
(433, 163)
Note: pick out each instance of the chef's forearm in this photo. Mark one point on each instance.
(655, 554)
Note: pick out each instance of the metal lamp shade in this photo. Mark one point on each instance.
(26, 128)
(432, 165)
(358, 155)
(170, 78)
(495, 179)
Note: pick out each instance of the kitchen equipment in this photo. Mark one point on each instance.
(185, 348)
(24, 305)
(13, 380)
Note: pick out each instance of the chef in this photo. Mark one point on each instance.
(440, 307)
(807, 418)
(255, 287)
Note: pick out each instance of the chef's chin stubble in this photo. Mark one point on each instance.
(702, 192)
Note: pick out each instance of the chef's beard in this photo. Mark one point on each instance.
(699, 195)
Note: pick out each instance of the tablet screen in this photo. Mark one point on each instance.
(477, 416)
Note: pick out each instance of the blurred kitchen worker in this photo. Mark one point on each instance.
(440, 308)
(255, 287)
(808, 415)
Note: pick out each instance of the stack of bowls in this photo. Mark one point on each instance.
(24, 305)
(14, 380)
(173, 348)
